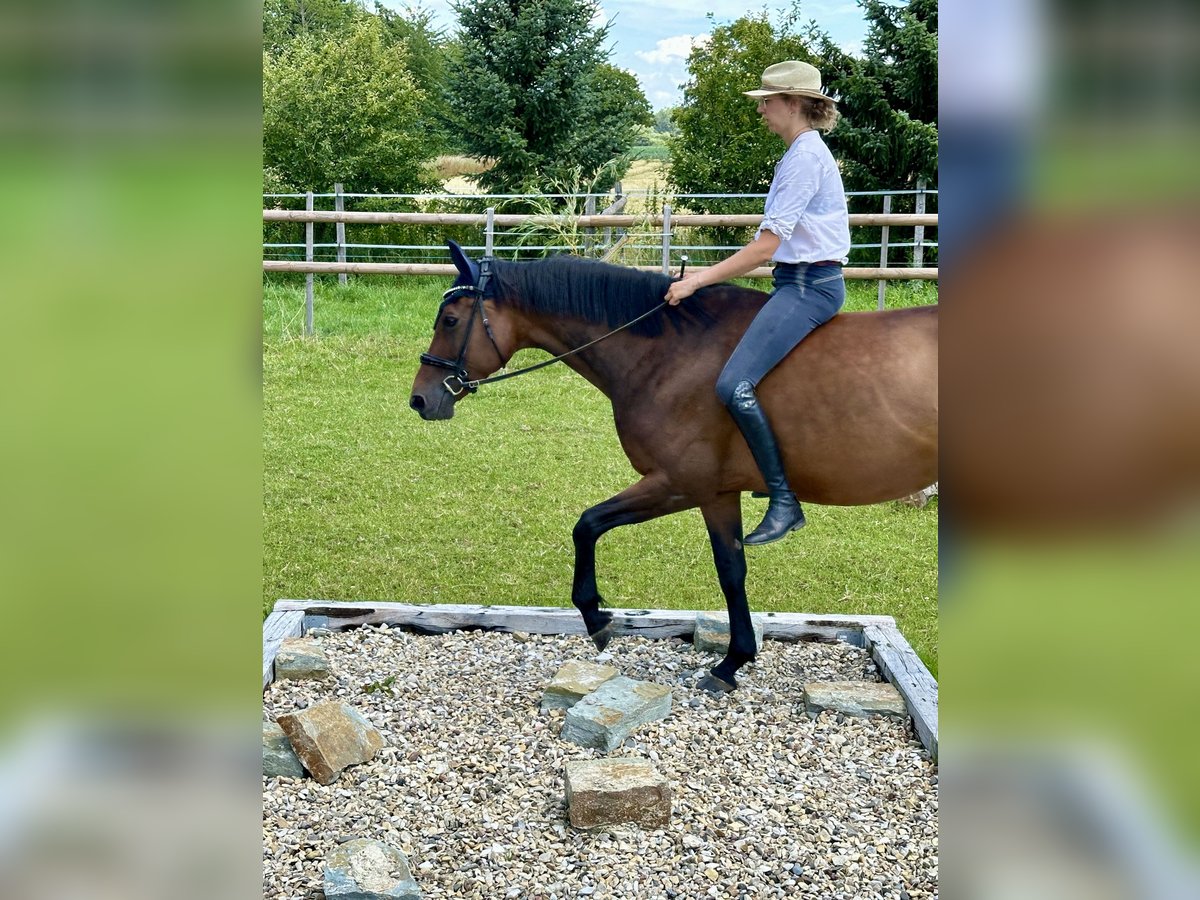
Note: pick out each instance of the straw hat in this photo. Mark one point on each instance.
(790, 77)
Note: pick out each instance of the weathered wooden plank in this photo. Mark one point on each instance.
(280, 624)
(558, 620)
(590, 221)
(901, 666)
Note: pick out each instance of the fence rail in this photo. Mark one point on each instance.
(596, 231)
(513, 220)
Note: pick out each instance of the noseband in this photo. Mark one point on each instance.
(458, 366)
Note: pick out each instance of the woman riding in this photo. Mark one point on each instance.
(806, 231)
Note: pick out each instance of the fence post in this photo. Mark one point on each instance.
(608, 231)
(308, 257)
(489, 232)
(919, 231)
(883, 249)
(340, 206)
(589, 209)
(666, 247)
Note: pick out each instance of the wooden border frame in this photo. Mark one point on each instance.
(896, 660)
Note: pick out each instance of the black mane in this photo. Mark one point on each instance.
(594, 291)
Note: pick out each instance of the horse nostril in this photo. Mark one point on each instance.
(417, 402)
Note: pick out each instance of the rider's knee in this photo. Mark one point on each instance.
(734, 389)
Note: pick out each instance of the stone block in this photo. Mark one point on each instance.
(854, 698)
(278, 756)
(301, 659)
(611, 791)
(609, 714)
(368, 870)
(573, 682)
(330, 736)
(712, 631)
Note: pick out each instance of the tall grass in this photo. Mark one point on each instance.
(366, 501)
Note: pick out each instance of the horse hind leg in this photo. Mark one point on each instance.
(641, 502)
(723, 517)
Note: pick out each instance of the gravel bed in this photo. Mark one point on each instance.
(768, 802)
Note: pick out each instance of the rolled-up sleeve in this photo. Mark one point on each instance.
(796, 182)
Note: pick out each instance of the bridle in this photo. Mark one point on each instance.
(458, 368)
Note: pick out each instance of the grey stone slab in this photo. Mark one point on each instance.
(278, 756)
(712, 631)
(609, 714)
(574, 681)
(854, 698)
(611, 791)
(301, 659)
(362, 869)
(329, 736)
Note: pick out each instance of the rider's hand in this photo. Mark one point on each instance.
(682, 289)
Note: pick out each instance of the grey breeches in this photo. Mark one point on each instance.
(804, 297)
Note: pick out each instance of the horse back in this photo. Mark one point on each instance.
(855, 406)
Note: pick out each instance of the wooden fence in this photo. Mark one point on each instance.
(490, 220)
(608, 219)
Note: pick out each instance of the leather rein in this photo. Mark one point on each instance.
(458, 368)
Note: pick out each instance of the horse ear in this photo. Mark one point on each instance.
(466, 267)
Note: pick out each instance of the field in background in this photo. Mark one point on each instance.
(363, 500)
(644, 175)
(455, 173)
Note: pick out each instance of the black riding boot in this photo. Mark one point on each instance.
(783, 513)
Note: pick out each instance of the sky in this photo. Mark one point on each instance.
(652, 38)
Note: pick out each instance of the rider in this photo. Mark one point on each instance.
(806, 231)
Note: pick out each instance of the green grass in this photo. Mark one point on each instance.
(366, 501)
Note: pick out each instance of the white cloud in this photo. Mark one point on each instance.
(673, 48)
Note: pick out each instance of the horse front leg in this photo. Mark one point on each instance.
(648, 499)
(723, 516)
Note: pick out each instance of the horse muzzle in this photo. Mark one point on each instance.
(442, 409)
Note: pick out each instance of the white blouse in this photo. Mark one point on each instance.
(806, 205)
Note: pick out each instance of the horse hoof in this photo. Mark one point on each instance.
(715, 685)
(603, 636)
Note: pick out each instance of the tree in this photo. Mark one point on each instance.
(428, 52)
(720, 145)
(346, 109)
(887, 139)
(664, 120)
(532, 92)
(285, 20)
(615, 112)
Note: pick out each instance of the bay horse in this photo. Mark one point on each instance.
(855, 406)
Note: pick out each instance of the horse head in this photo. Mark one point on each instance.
(464, 344)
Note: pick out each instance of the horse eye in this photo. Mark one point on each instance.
(450, 321)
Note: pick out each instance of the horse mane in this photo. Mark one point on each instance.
(595, 291)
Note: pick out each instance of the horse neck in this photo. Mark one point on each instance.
(606, 365)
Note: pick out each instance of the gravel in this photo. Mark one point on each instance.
(768, 802)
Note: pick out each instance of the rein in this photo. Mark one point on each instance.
(457, 367)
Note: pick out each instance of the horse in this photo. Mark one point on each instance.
(855, 405)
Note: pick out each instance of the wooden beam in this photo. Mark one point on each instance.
(593, 221)
(442, 617)
(900, 665)
(280, 624)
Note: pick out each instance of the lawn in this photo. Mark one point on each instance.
(365, 501)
